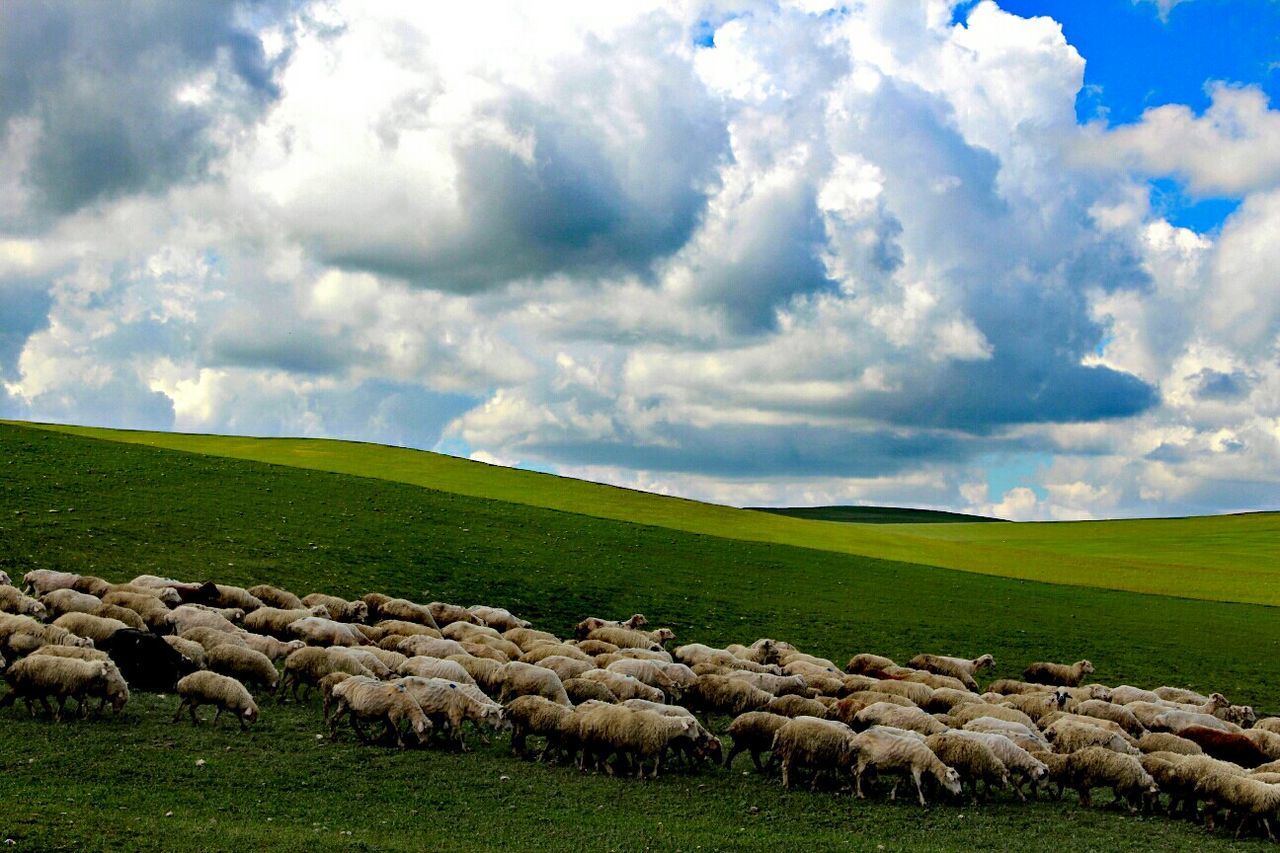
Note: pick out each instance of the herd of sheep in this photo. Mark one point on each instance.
(614, 698)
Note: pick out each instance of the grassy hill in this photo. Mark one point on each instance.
(118, 509)
(1217, 558)
(873, 514)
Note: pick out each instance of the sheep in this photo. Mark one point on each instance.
(368, 699)
(897, 716)
(604, 729)
(403, 610)
(535, 715)
(429, 647)
(21, 635)
(919, 694)
(929, 679)
(340, 610)
(972, 759)
(703, 746)
(946, 699)
(1096, 722)
(721, 695)
(1246, 798)
(763, 650)
(120, 614)
(1167, 742)
(846, 709)
(960, 668)
(274, 596)
(429, 667)
(778, 685)
(307, 666)
(406, 629)
(527, 638)
(318, 631)
(1012, 686)
(591, 623)
(271, 647)
(625, 638)
(594, 648)
(91, 585)
(808, 742)
(189, 649)
(1127, 694)
(1096, 767)
(1195, 777)
(222, 691)
(797, 706)
(209, 638)
(523, 679)
(153, 612)
(965, 713)
(693, 654)
(1239, 715)
(188, 616)
(326, 686)
(244, 664)
(145, 659)
(166, 595)
(62, 601)
(497, 617)
(44, 677)
(38, 582)
(392, 660)
(1085, 692)
(1268, 724)
(13, 601)
(1058, 674)
(481, 649)
(581, 690)
(1024, 766)
(469, 630)
(76, 652)
(1268, 742)
(4, 579)
(887, 752)
(1117, 714)
(793, 656)
(186, 591)
(93, 628)
(1227, 746)
(565, 667)
(623, 686)
(1180, 695)
(448, 703)
(1024, 736)
(1176, 720)
(235, 596)
(646, 672)
(488, 674)
(655, 655)
(1037, 706)
(1071, 736)
(546, 650)
(1147, 712)
(754, 731)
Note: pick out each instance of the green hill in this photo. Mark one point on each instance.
(1217, 558)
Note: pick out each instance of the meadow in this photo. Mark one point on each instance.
(1218, 558)
(119, 509)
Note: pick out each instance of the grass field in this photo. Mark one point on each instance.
(1219, 558)
(118, 509)
(874, 514)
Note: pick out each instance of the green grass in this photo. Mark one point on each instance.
(118, 509)
(1218, 558)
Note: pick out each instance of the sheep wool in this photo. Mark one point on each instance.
(1059, 674)
(245, 664)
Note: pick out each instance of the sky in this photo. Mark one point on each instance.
(1016, 258)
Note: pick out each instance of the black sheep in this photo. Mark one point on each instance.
(145, 660)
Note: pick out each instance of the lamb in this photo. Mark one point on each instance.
(317, 631)
(591, 623)
(188, 616)
(642, 735)
(960, 668)
(1096, 767)
(428, 667)
(192, 651)
(623, 686)
(1117, 714)
(808, 742)
(62, 601)
(754, 731)
(1024, 766)
(13, 601)
(146, 660)
(273, 596)
(93, 628)
(1070, 736)
(368, 699)
(340, 610)
(797, 706)
(307, 666)
(448, 703)
(721, 695)
(44, 677)
(497, 617)
(1167, 742)
(972, 759)
(1058, 674)
(580, 690)
(39, 582)
(246, 665)
(222, 691)
(565, 667)
(887, 752)
(535, 715)
(524, 679)
(888, 714)
(404, 610)
(1226, 746)
(271, 647)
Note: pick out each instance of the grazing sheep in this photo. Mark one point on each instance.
(1268, 742)
(481, 649)
(623, 686)
(847, 708)
(425, 646)
(1072, 736)
(1147, 712)
(39, 582)
(972, 759)
(429, 667)
(406, 629)
(721, 695)
(1037, 706)
(647, 672)
(899, 717)
(318, 631)
(274, 596)
(90, 627)
(704, 746)
(626, 638)
(965, 713)
(1117, 714)
(584, 628)
(1097, 722)
(594, 648)
(91, 585)
(1239, 715)
(371, 700)
(497, 617)
(565, 667)
(189, 649)
(62, 601)
(145, 659)
(326, 686)
(535, 715)
(448, 703)
(961, 668)
(1167, 742)
(487, 673)
(469, 631)
(1058, 674)
(527, 638)
(13, 601)
(546, 650)
(754, 731)
(946, 699)
(1098, 767)
(1177, 720)
(1268, 724)
(235, 596)
(887, 752)
(188, 616)
(208, 638)
(797, 706)
(1023, 765)
(1012, 686)
(525, 679)
(21, 635)
(120, 614)
(581, 690)
(1026, 737)
(186, 591)
(153, 612)
(1127, 694)
(819, 745)
(605, 730)
(1181, 695)
(919, 694)
(778, 685)
(307, 666)
(445, 614)
(270, 646)
(404, 610)
(45, 677)
(1246, 798)
(340, 610)
(763, 650)
(1226, 746)
(244, 664)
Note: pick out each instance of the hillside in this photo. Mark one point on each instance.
(1217, 558)
(873, 514)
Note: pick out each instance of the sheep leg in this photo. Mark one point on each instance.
(755, 759)
(915, 774)
(735, 751)
(1240, 827)
(657, 760)
(191, 706)
(857, 779)
(61, 702)
(217, 716)
(1266, 824)
(1085, 797)
(786, 772)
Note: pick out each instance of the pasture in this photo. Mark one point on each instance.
(118, 509)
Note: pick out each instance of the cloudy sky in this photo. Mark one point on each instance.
(1019, 258)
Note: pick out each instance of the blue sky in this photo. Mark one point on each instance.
(1012, 258)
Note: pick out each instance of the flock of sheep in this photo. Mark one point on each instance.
(614, 698)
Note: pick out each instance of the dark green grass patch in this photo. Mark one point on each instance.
(119, 510)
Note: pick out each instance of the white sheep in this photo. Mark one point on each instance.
(222, 691)
(889, 752)
(12, 600)
(45, 677)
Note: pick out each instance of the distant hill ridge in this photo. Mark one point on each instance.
(873, 514)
